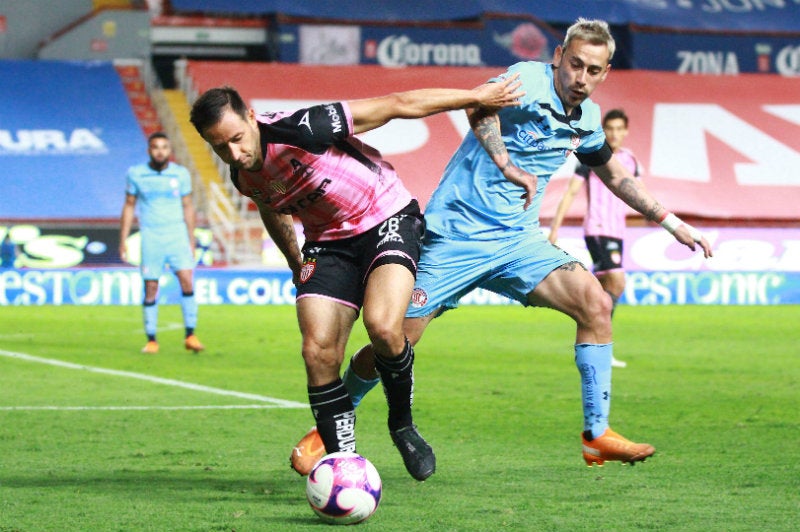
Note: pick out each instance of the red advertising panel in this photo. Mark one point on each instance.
(716, 147)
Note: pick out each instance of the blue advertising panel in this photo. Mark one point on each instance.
(497, 41)
(67, 137)
(705, 53)
(123, 286)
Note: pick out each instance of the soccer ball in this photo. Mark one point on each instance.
(343, 488)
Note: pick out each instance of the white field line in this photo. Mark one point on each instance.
(82, 408)
(274, 402)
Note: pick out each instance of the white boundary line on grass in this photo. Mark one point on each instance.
(282, 403)
(82, 408)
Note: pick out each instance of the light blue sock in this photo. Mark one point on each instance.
(189, 309)
(594, 365)
(356, 386)
(150, 312)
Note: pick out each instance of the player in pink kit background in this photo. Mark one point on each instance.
(604, 221)
(362, 235)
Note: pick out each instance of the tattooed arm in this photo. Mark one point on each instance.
(631, 190)
(281, 229)
(486, 126)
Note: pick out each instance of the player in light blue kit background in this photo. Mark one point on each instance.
(163, 190)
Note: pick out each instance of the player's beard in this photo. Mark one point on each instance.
(159, 164)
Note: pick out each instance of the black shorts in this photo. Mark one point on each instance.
(606, 253)
(338, 269)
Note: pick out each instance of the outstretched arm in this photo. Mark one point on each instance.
(630, 190)
(371, 113)
(485, 125)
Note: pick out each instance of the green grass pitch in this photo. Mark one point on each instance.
(95, 436)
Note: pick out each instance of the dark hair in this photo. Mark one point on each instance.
(614, 114)
(207, 110)
(157, 135)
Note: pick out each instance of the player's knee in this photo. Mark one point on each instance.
(595, 308)
(319, 357)
(386, 336)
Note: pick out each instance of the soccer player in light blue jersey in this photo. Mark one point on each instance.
(483, 221)
(163, 191)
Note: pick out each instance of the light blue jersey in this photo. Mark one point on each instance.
(165, 237)
(159, 194)
(477, 233)
(474, 200)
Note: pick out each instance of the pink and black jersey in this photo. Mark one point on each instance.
(605, 215)
(315, 169)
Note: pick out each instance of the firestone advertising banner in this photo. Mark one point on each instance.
(749, 267)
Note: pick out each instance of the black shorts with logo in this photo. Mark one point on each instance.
(338, 269)
(606, 253)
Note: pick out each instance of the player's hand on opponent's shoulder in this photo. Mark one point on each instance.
(499, 94)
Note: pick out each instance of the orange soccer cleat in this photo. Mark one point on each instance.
(307, 452)
(612, 446)
(150, 348)
(193, 344)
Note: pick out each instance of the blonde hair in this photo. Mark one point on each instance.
(592, 31)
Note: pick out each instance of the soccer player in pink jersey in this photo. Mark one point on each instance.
(362, 230)
(604, 222)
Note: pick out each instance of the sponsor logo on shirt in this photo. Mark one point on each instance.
(336, 118)
(307, 200)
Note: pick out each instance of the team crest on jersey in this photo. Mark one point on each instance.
(309, 265)
(278, 187)
(418, 298)
(575, 140)
(616, 257)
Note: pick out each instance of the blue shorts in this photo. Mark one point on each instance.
(165, 246)
(449, 269)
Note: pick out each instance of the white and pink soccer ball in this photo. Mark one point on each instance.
(343, 488)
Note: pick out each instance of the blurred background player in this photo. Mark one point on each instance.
(163, 190)
(604, 221)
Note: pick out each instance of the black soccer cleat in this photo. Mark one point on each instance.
(417, 455)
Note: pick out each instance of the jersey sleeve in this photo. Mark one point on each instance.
(598, 157)
(313, 129)
(130, 184)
